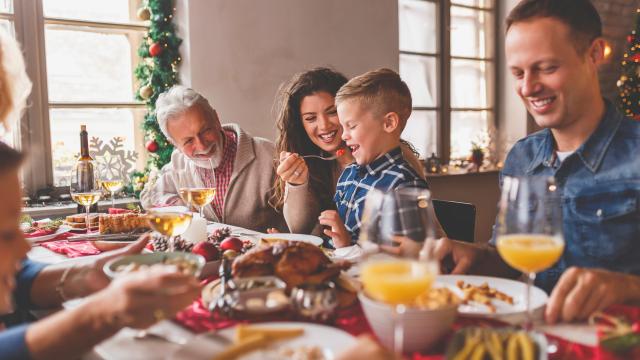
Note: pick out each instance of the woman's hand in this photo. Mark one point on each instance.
(145, 297)
(339, 234)
(293, 169)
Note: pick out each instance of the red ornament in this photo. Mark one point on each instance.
(635, 57)
(630, 38)
(155, 49)
(152, 146)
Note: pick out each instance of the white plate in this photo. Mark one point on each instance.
(61, 229)
(515, 289)
(294, 237)
(331, 340)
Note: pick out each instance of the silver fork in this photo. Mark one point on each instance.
(333, 157)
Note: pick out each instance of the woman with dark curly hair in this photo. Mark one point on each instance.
(308, 124)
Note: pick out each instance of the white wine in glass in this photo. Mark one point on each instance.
(169, 223)
(84, 181)
(199, 197)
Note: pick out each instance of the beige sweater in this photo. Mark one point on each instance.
(246, 201)
(301, 208)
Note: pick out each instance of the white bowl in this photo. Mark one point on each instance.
(110, 268)
(422, 328)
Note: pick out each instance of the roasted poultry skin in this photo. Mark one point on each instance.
(295, 262)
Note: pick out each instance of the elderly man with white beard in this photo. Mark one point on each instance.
(207, 154)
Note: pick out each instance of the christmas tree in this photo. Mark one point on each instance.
(156, 72)
(629, 82)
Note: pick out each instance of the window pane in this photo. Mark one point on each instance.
(7, 26)
(123, 11)
(417, 26)
(468, 127)
(102, 123)
(6, 6)
(476, 3)
(90, 66)
(421, 131)
(419, 72)
(470, 84)
(471, 32)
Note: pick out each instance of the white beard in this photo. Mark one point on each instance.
(212, 162)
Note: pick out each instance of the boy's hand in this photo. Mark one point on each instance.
(338, 233)
(292, 169)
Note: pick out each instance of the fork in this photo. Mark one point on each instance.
(338, 153)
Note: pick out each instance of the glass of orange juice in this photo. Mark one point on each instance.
(529, 234)
(397, 236)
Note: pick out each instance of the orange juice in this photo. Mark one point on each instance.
(396, 281)
(530, 253)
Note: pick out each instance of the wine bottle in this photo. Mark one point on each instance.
(85, 166)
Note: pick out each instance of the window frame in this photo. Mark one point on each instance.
(444, 59)
(34, 129)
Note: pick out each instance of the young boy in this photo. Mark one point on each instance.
(373, 109)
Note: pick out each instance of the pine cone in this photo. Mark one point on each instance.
(219, 234)
(181, 244)
(160, 243)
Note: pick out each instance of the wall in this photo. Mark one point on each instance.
(618, 19)
(238, 52)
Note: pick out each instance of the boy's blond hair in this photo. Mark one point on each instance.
(382, 91)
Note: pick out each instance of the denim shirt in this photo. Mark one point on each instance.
(600, 188)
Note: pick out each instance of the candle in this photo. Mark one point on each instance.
(197, 231)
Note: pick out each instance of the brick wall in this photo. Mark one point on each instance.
(618, 19)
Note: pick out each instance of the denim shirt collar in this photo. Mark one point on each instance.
(381, 163)
(591, 152)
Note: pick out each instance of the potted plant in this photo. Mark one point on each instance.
(477, 155)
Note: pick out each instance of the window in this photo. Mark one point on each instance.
(81, 61)
(450, 73)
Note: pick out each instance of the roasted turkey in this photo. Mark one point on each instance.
(295, 262)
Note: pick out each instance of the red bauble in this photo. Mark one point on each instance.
(231, 243)
(635, 57)
(207, 250)
(630, 38)
(155, 49)
(152, 146)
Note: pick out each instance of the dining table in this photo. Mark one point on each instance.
(127, 344)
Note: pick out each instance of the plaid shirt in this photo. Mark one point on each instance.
(390, 171)
(222, 172)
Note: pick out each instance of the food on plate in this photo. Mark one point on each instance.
(244, 331)
(301, 353)
(79, 221)
(183, 265)
(43, 228)
(122, 223)
(295, 262)
(486, 343)
(249, 338)
(436, 298)
(483, 294)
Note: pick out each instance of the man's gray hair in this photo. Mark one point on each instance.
(176, 101)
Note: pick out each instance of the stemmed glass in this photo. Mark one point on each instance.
(397, 237)
(198, 196)
(170, 222)
(84, 186)
(529, 234)
(111, 180)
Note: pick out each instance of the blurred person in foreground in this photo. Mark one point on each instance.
(553, 50)
(138, 300)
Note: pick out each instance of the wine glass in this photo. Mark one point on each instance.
(84, 185)
(111, 180)
(198, 196)
(397, 237)
(529, 233)
(170, 222)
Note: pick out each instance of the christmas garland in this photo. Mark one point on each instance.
(156, 73)
(629, 82)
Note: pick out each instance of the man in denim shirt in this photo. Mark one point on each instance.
(553, 49)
